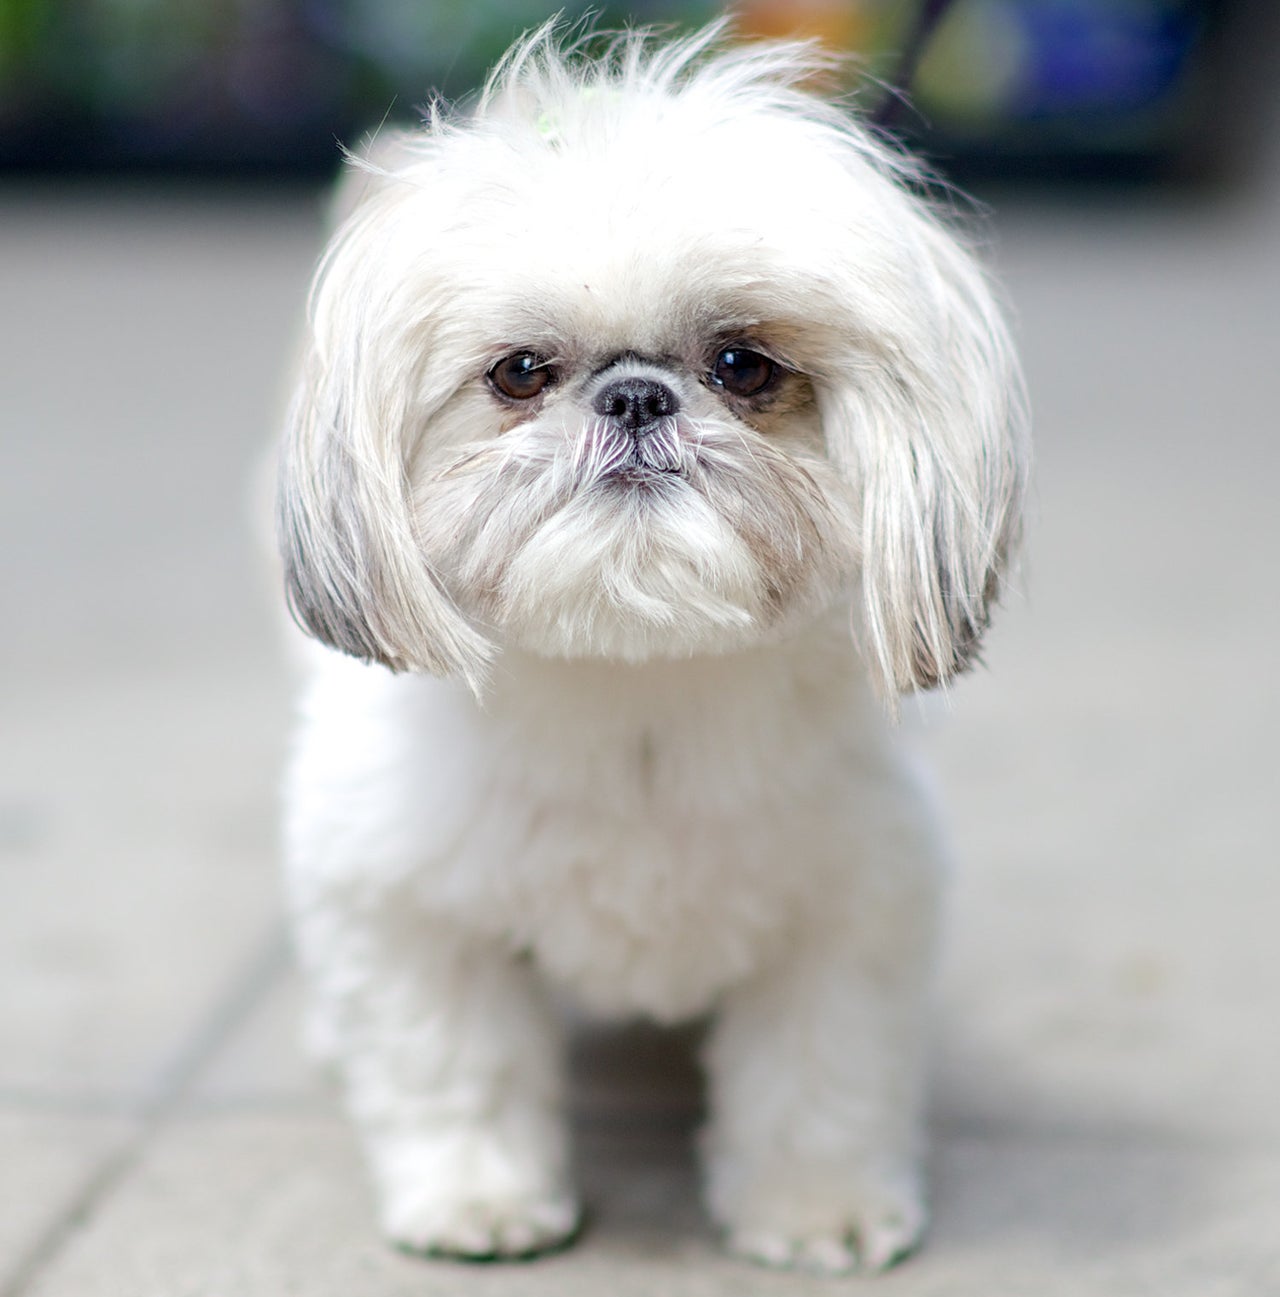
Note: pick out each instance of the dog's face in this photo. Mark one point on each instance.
(629, 460)
(652, 358)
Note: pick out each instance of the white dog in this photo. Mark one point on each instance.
(622, 390)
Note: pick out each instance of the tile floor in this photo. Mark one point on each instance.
(1108, 1062)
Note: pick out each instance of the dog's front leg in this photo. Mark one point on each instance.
(814, 1146)
(451, 1066)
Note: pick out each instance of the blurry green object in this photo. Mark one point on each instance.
(274, 85)
(227, 85)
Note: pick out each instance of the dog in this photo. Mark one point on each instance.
(653, 437)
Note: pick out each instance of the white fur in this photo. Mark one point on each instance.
(648, 768)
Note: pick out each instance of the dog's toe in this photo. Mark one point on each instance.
(505, 1229)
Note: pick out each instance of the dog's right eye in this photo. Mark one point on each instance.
(520, 377)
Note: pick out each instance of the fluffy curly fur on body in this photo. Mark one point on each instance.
(622, 390)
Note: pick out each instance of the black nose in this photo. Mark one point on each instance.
(636, 402)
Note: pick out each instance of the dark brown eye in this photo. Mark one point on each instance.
(521, 376)
(743, 372)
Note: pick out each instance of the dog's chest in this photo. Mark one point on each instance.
(634, 894)
(644, 859)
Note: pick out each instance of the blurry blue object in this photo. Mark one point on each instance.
(1100, 56)
(1070, 86)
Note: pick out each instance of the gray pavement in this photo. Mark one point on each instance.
(1108, 1063)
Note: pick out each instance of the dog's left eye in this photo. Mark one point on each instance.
(521, 376)
(743, 372)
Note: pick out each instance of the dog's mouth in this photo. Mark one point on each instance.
(639, 476)
(637, 471)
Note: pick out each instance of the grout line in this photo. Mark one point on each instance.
(265, 966)
(174, 1078)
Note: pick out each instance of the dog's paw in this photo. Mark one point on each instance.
(865, 1229)
(473, 1229)
(476, 1192)
(868, 1244)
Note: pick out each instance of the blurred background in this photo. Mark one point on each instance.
(1045, 86)
(1107, 1063)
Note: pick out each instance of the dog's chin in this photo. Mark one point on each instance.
(637, 567)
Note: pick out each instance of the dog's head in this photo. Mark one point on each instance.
(649, 354)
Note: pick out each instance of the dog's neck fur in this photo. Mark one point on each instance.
(818, 661)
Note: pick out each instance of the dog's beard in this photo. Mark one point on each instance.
(584, 542)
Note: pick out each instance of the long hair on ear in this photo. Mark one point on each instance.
(354, 574)
(932, 427)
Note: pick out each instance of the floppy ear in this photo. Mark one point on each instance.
(931, 427)
(354, 574)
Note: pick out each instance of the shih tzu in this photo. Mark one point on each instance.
(652, 437)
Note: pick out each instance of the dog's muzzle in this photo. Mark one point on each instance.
(642, 410)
